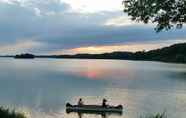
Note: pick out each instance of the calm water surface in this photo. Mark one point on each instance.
(41, 87)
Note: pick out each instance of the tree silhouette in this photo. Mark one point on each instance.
(165, 13)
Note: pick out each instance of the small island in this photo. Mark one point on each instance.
(24, 56)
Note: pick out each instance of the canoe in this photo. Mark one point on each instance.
(94, 109)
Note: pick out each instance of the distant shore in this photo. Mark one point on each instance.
(173, 54)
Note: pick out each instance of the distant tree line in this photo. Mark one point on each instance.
(175, 53)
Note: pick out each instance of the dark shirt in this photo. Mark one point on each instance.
(104, 104)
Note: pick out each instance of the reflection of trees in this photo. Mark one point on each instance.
(166, 13)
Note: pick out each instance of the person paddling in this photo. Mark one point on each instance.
(104, 103)
(80, 102)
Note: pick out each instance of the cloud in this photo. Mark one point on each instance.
(9, 1)
(58, 25)
(80, 6)
(44, 7)
(92, 6)
(19, 47)
(47, 7)
(121, 21)
(132, 47)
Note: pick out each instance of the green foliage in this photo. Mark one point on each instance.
(6, 113)
(165, 13)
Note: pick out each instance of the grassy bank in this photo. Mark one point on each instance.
(6, 113)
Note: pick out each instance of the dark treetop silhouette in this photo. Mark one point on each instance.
(165, 13)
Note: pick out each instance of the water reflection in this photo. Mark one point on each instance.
(102, 114)
(41, 87)
(93, 69)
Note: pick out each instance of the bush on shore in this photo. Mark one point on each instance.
(6, 113)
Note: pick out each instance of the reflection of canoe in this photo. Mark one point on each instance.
(94, 109)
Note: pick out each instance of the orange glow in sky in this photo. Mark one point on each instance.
(102, 49)
(133, 47)
(111, 48)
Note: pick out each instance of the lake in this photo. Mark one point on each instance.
(41, 87)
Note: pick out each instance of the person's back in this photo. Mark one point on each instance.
(80, 102)
(104, 103)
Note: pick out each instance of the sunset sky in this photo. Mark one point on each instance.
(75, 26)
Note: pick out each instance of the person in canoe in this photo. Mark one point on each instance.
(104, 103)
(80, 102)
